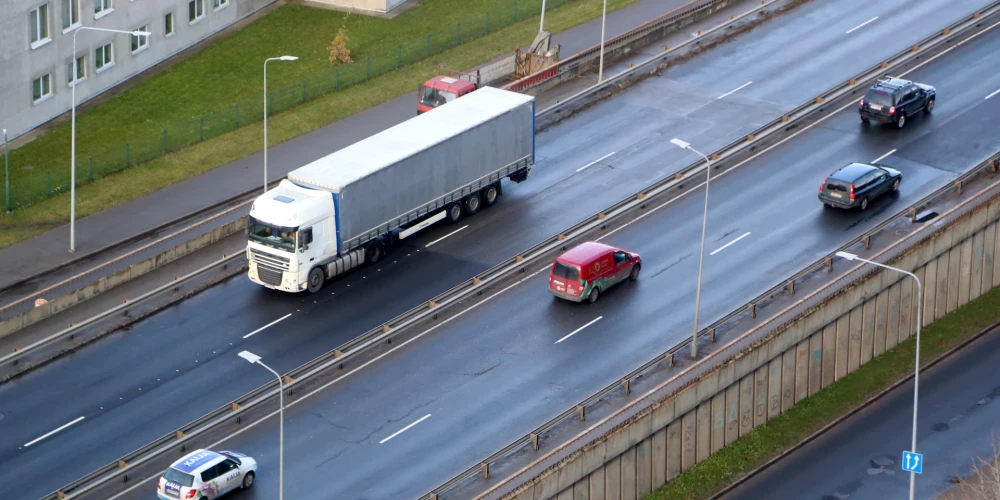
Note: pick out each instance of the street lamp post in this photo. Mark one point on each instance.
(701, 258)
(253, 358)
(6, 172)
(916, 363)
(282, 58)
(600, 67)
(541, 26)
(72, 160)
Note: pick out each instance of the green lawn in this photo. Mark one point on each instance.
(768, 441)
(228, 72)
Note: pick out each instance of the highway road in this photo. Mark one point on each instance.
(490, 376)
(959, 418)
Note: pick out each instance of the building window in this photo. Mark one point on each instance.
(196, 10)
(219, 4)
(139, 42)
(81, 70)
(41, 88)
(102, 8)
(168, 24)
(70, 13)
(104, 57)
(39, 19)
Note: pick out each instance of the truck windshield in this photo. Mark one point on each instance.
(271, 235)
(430, 96)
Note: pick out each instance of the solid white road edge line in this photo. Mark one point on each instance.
(730, 243)
(880, 158)
(595, 162)
(861, 25)
(817, 122)
(733, 91)
(405, 428)
(29, 443)
(445, 236)
(579, 329)
(267, 325)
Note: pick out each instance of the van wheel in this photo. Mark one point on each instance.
(374, 252)
(593, 295)
(316, 279)
(634, 275)
(864, 203)
(490, 195)
(473, 203)
(454, 212)
(248, 480)
(901, 121)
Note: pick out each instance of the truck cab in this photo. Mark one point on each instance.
(445, 88)
(289, 231)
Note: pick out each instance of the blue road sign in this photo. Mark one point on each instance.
(913, 462)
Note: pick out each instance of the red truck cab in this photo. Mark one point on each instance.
(445, 88)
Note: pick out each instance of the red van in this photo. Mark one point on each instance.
(588, 269)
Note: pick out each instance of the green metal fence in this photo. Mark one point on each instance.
(49, 180)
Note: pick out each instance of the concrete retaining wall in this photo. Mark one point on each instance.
(130, 273)
(868, 317)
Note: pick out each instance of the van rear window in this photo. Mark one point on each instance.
(879, 97)
(566, 272)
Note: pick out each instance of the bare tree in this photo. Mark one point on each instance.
(983, 483)
(338, 47)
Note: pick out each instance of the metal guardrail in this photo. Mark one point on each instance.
(573, 62)
(991, 165)
(130, 464)
(13, 359)
(122, 262)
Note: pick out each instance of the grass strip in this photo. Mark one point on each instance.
(146, 178)
(812, 414)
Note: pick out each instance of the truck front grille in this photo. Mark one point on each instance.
(268, 274)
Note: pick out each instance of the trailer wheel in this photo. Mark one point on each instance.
(473, 203)
(454, 212)
(490, 195)
(374, 252)
(316, 279)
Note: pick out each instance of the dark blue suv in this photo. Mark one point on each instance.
(855, 185)
(893, 100)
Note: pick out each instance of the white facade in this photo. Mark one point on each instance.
(363, 6)
(36, 45)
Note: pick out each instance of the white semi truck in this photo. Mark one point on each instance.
(352, 206)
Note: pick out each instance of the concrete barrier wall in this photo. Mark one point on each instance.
(865, 319)
(130, 273)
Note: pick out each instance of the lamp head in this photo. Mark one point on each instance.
(679, 143)
(141, 33)
(249, 356)
(288, 58)
(847, 256)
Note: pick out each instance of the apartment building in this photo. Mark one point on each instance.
(37, 58)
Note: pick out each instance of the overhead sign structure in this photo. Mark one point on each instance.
(913, 462)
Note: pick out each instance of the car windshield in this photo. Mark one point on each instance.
(878, 97)
(176, 476)
(433, 97)
(232, 457)
(271, 235)
(571, 273)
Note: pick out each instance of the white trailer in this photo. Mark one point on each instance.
(354, 205)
